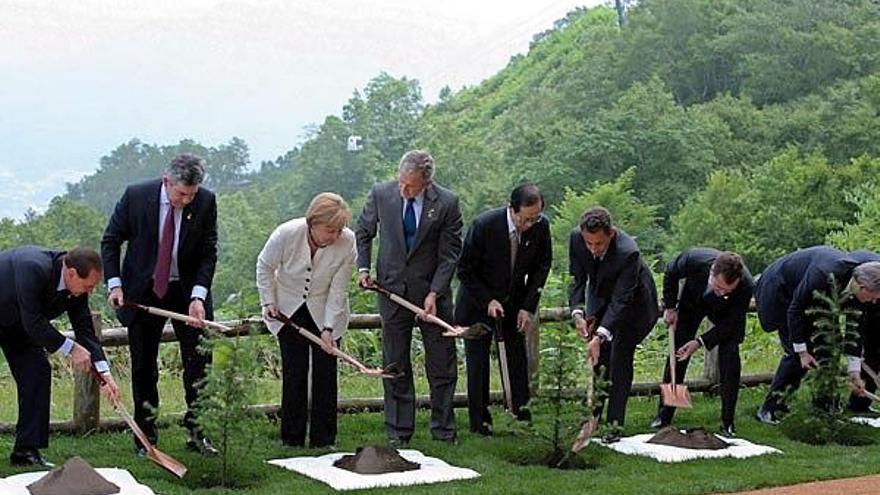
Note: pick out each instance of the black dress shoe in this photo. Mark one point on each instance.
(728, 431)
(484, 430)
(202, 445)
(140, 451)
(524, 415)
(658, 423)
(766, 417)
(29, 457)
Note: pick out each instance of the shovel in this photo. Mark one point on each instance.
(373, 372)
(589, 427)
(391, 371)
(164, 460)
(871, 373)
(472, 332)
(674, 395)
(505, 372)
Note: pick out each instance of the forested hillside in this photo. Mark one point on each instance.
(751, 125)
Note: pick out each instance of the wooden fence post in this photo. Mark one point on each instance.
(710, 366)
(87, 395)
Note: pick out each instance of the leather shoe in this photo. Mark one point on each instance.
(29, 457)
(766, 417)
(202, 445)
(658, 423)
(140, 451)
(398, 442)
(728, 431)
(484, 430)
(524, 415)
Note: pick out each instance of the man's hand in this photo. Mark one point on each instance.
(365, 281)
(270, 312)
(327, 342)
(431, 303)
(670, 317)
(808, 362)
(585, 326)
(116, 299)
(687, 350)
(196, 313)
(109, 388)
(857, 384)
(495, 310)
(523, 320)
(80, 358)
(594, 349)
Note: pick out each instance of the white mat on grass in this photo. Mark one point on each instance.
(17, 484)
(431, 470)
(638, 445)
(875, 422)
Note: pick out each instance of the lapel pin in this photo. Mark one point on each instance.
(431, 214)
(189, 216)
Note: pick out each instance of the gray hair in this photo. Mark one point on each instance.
(868, 275)
(187, 169)
(418, 161)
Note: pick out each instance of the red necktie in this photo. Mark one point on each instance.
(163, 263)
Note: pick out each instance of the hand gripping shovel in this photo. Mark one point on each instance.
(391, 371)
(164, 460)
(505, 371)
(374, 372)
(674, 395)
(590, 425)
(472, 332)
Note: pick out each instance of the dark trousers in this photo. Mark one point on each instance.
(144, 335)
(616, 366)
(872, 359)
(30, 369)
(477, 353)
(295, 365)
(729, 367)
(788, 375)
(441, 369)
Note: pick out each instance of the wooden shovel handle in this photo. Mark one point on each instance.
(411, 306)
(672, 356)
(177, 316)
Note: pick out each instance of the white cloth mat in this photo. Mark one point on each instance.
(638, 445)
(431, 470)
(875, 422)
(17, 484)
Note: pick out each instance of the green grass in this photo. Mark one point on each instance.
(616, 474)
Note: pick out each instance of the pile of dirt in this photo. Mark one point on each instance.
(694, 438)
(75, 477)
(375, 459)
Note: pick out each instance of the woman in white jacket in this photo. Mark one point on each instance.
(303, 272)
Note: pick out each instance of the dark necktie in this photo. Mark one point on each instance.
(409, 224)
(163, 263)
(514, 247)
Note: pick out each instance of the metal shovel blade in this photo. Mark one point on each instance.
(586, 433)
(474, 331)
(675, 395)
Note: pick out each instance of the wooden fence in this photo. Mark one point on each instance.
(87, 400)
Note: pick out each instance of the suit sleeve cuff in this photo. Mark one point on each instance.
(700, 341)
(66, 347)
(605, 333)
(799, 347)
(114, 283)
(577, 313)
(853, 364)
(199, 292)
(363, 270)
(102, 366)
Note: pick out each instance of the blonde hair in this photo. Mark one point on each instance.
(328, 209)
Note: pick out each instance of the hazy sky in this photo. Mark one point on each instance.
(79, 77)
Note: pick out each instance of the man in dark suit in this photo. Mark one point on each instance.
(419, 227)
(717, 286)
(503, 268)
(40, 285)
(784, 293)
(170, 227)
(621, 303)
(871, 356)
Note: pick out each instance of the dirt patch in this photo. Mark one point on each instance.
(375, 459)
(696, 438)
(75, 477)
(865, 485)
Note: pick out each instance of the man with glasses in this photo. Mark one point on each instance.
(784, 293)
(707, 283)
(621, 304)
(504, 264)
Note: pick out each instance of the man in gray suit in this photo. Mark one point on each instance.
(419, 224)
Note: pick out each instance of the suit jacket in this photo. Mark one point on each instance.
(484, 267)
(621, 294)
(136, 220)
(30, 299)
(431, 262)
(727, 313)
(288, 277)
(785, 290)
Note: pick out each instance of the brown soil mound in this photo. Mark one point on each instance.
(75, 477)
(375, 459)
(696, 438)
